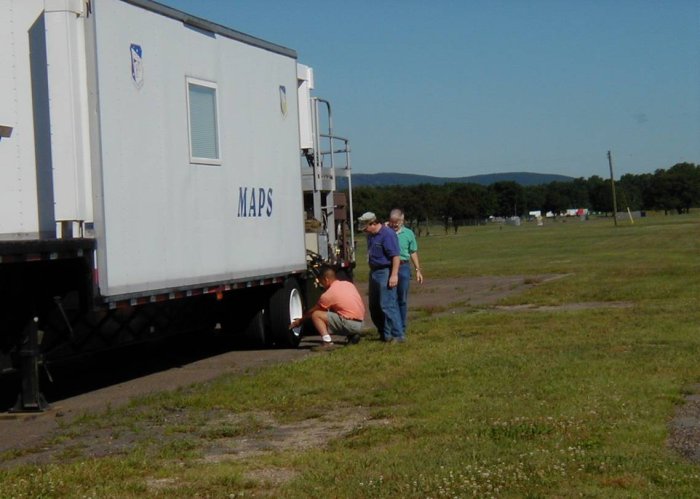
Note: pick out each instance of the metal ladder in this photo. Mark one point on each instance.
(329, 159)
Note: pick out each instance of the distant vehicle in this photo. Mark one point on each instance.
(158, 173)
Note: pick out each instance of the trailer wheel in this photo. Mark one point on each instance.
(286, 304)
(257, 333)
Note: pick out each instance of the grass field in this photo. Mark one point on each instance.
(555, 403)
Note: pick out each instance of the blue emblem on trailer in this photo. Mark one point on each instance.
(137, 65)
(283, 100)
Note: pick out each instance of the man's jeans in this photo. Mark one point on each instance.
(384, 306)
(402, 292)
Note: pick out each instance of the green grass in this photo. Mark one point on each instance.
(486, 403)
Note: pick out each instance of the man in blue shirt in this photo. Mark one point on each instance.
(383, 257)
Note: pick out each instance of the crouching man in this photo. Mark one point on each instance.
(339, 310)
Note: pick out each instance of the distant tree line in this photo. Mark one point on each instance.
(676, 189)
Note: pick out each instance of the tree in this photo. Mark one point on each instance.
(509, 198)
(422, 203)
(677, 189)
(600, 194)
(556, 197)
(663, 193)
(632, 190)
(578, 193)
(365, 199)
(468, 203)
(535, 198)
(685, 185)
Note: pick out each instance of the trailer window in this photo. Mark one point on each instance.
(203, 122)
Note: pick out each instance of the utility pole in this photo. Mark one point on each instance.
(612, 185)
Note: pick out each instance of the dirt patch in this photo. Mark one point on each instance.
(276, 437)
(565, 307)
(221, 436)
(483, 290)
(684, 428)
(456, 295)
(76, 443)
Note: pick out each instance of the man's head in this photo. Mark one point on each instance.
(326, 276)
(368, 223)
(396, 218)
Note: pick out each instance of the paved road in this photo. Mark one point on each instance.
(111, 380)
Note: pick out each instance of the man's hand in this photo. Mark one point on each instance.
(295, 323)
(393, 280)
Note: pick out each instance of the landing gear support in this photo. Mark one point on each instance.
(30, 398)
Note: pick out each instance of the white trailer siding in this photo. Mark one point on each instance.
(68, 107)
(163, 222)
(44, 167)
(18, 175)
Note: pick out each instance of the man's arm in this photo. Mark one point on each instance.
(299, 320)
(392, 251)
(416, 264)
(394, 277)
(413, 252)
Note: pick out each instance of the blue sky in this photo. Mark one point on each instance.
(458, 87)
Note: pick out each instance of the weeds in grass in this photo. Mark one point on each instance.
(39, 482)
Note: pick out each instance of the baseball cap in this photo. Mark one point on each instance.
(366, 219)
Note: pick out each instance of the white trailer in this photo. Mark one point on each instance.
(150, 180)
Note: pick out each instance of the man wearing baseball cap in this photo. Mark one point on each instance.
(383, 257)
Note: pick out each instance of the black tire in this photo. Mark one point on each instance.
(245, 317)
(286, 304)
(257, 332)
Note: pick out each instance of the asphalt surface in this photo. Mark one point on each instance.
(113, 378)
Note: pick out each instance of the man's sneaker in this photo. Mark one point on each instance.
(326, 346)
(354, 338)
